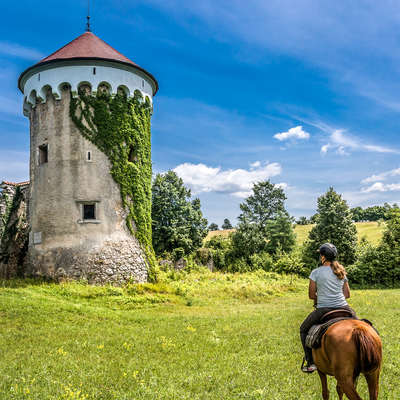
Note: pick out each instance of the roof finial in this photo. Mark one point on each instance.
(88, 17)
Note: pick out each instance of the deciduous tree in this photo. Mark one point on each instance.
(177, 219)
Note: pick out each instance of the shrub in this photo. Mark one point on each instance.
(262, 261)
(290, 263)
(380, 265)
(178, 253)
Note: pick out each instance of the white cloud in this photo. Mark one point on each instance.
(325, 148)
(382, 176)
(237, 182)
(293, 133)
(255, 164)
(343, 144)
(381, 187)
(16, 50)
(337, 36)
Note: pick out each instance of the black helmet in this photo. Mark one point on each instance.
(329, 251)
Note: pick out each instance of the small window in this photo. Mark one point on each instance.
(39, 77)
(132, 157)
(142, 83)
(94, 70)
(43, 154)
(89, 156)
(89, 211)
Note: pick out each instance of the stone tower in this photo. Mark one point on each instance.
(90, 163)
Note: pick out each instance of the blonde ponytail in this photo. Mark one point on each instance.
(338, 270)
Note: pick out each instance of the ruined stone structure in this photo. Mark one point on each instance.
(14, 228)
(76, 214)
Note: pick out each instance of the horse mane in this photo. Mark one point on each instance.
(369, 347)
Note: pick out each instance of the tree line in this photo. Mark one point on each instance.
(359, 214)
(264, 237)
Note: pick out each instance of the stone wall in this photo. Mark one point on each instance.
(111, 262)
(63, 244)
(14, 229)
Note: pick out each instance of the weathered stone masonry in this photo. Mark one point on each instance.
(14, 229)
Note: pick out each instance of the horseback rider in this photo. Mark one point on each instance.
(329, 289)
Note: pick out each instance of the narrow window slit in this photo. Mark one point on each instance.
(43, 154)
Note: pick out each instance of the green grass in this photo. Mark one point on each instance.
(193, 336)
(370, 230)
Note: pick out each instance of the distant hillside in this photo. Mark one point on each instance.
(371, 230)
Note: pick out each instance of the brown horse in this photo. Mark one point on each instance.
(348, 348)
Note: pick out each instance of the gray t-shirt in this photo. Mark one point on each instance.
(329, 287)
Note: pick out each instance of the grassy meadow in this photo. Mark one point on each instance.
(372, 231)
(192, 336)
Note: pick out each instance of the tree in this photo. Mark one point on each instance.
(177, 220)
(227, 224)
(302, 221)
(264, 223)
(248, 239)
(357, 214)
(279, 234)
(334, 225)
(380, 265)
(264, 204)
(213, 227)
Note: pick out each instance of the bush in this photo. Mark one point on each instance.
(262, 261)
(178, 253)
(238, 265)
(290, 263)
(380, 266)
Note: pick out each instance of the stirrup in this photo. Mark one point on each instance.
(309, 368)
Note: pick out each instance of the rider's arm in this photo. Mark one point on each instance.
(312, 290)
(346, 290)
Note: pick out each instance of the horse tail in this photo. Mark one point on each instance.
(369, 348)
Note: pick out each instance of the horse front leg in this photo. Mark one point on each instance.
(324, 384)
(339, 392)
(373, 384)
(347, 385)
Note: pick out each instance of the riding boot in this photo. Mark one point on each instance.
(309, 357)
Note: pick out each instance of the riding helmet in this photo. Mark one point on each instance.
(328, 250)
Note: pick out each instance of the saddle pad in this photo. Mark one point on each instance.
(314, 337)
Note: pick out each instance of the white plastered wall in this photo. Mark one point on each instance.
(57, 74)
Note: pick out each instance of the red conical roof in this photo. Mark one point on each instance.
(87, 45)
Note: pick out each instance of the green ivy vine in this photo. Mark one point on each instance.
(120, 127)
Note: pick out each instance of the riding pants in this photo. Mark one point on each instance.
(314, 319)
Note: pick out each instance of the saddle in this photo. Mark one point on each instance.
(314, 337)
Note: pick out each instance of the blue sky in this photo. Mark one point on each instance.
(305, 93)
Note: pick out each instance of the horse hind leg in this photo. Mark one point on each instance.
(373, 384)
